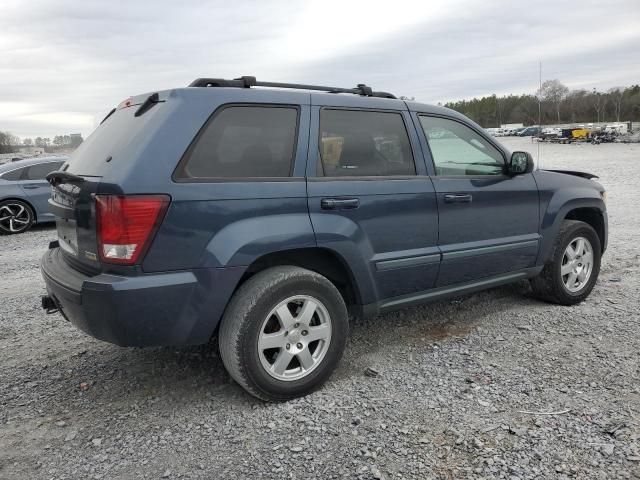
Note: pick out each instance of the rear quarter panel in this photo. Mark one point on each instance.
(223, 222)
(11, 190)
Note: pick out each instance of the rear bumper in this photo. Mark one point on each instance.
(605, 222)
(175, 308)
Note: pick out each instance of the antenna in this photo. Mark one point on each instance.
(540, 113)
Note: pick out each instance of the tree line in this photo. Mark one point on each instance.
(10, 143)
(557, 105)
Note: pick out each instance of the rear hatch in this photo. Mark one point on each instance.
(75, 186)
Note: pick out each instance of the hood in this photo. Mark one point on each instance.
(573, 172)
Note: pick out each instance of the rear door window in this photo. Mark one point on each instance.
(243, 141)
(364, 143)
(13, 174)
(39, 172)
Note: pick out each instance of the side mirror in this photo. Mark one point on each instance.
(520, 162)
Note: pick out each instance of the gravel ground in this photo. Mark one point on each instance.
(459, 389)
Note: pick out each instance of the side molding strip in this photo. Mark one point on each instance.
(443, 292)
(407, 262)
(484, 250)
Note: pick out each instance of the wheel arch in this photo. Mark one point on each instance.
(326, 262)
(591, 216)
(589, 210)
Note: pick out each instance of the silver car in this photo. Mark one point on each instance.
(24, 193)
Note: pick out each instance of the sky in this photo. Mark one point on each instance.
(64, 64)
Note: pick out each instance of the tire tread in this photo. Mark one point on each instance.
(234, 324)
(546, 285)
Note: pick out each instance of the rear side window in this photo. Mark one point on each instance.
(39, 172)
(242, 142)
(13, 174)
(364, 143)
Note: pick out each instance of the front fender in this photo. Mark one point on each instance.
(559, 195)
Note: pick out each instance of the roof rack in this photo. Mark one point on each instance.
(248, 82)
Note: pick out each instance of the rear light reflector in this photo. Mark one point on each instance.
(126, 225)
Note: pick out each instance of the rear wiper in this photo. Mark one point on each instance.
(57, 177)
(108, 115)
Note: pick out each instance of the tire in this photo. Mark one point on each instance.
(309, 350)
(551, 285)
(16, 216)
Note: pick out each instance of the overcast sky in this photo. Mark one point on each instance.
(65, 64)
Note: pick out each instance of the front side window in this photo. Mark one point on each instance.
(459, 150)
(363, 143)
(39, 172)
(244, 141)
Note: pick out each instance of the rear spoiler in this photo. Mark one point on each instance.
(57, 177)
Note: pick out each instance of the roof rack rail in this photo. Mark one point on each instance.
(248, 82)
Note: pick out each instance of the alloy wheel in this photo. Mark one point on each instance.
(14, 217)
(577, 264)
(294, 338)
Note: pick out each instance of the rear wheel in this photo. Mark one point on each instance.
(573, 269)
(283, 333)
(15, 217)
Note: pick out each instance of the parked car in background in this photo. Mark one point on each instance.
(529, 132)
(24, 193)
(496, 132)
(616, 128)
(265, 217)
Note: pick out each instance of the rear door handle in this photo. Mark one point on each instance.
(457, 198)
(339, 203)
(31, 186)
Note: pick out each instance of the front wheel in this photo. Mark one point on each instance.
(571, 273)
(283, 333)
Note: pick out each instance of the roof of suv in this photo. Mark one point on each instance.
(361, 95)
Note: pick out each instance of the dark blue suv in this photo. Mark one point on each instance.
(267, 216)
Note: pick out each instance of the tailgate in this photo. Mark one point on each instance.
(74, 187)
(73, 206)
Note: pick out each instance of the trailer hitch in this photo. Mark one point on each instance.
(49, 304)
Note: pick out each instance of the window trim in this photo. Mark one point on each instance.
(177, 178)
(24, 170)
(317, 177)
(471, 127)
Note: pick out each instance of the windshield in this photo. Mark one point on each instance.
(111, 138)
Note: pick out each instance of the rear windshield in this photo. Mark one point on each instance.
(108, 140)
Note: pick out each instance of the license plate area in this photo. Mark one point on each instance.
(67, 235)
(62, 197)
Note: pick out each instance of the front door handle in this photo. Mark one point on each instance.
(457, 198)
(339, 203)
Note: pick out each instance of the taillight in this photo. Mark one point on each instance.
(126, 225)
